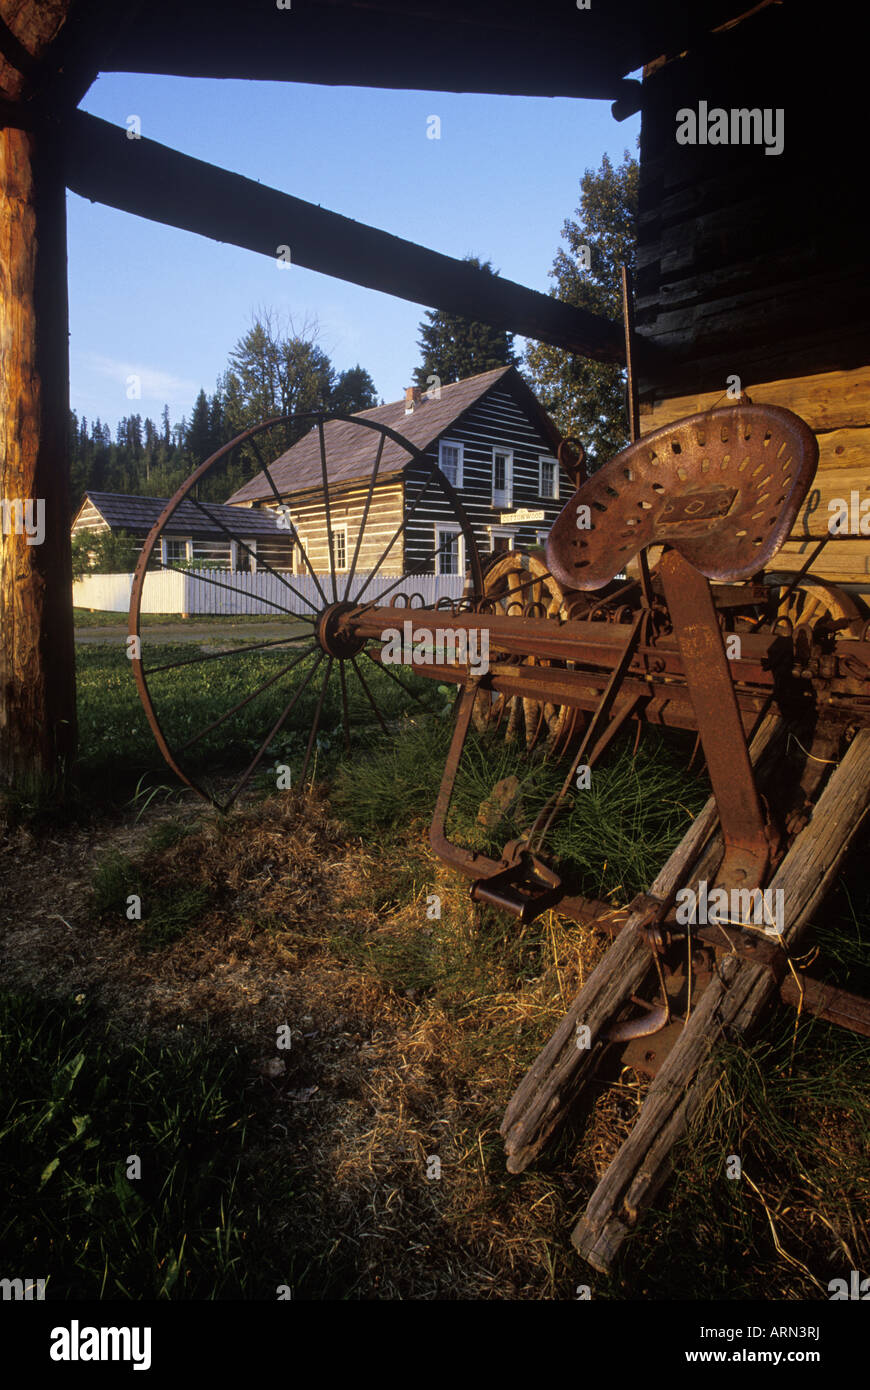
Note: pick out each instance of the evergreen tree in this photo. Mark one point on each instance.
(353, 391)
(454, 347)
(586, 398)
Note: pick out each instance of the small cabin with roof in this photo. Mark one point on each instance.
(190, 539)
(492, 440)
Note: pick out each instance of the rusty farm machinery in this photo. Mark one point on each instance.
(658, 602)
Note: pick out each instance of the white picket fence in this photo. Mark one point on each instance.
(223, 591)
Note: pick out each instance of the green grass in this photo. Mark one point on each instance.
(610, 839)
(76, 1101)
(117, 746)
(794, 1111)
(166, 911)
(85, 617)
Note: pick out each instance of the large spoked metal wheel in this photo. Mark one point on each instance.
(518, 584)
(302, 538)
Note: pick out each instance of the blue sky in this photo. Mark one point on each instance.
(169, 306)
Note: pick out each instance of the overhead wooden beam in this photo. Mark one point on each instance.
(37, 667)
(153, 181)
(551, 48)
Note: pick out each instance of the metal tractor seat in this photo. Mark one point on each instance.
(722, 487)
(720, 490)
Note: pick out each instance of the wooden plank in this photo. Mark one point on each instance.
(153, 181)
(825, 400)
(733, 1002)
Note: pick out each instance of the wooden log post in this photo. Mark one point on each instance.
(734, 1001)
(37, 667)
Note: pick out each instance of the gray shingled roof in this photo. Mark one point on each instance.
(138, 514)
(350, 451)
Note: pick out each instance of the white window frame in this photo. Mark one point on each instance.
(164, 546)
(541, 537)
(542, 459)
(460, 463)
(340, 527)
(509, 531)
(508, 454)
(441, 531)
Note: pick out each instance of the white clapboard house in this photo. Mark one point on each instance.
(492, 440)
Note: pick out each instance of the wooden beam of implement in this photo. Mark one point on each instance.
(154, 181)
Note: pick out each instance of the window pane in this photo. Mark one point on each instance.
(449, 462)
(448, 559)
(547, 480)
(499, 472)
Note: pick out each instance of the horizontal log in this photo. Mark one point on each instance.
(827, 401)
(154, 181)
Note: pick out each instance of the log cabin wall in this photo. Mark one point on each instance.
(346, 513)
(754, 265)
(496, 422)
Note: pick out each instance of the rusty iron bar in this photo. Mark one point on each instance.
(711, 690)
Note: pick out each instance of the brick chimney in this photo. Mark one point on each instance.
(413, 397)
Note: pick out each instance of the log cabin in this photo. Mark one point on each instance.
(489, 435)
(188, 538)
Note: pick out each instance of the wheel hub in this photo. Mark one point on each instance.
(333, 636)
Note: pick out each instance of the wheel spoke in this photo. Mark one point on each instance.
(399, 529)
(280, 577)
(345, 714)
(247, 700)
(377, 602)
(329, 536)
(365, 517)
(219, 584)
(362, 682)
(246, 777)
(388, 671)
(316, 722)
(231, 651)
(280, 501)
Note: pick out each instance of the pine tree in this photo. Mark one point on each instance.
(587, 398)
(454, 347)
(353, 391)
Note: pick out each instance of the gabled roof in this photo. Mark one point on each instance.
(350, 451)
(138, 514)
